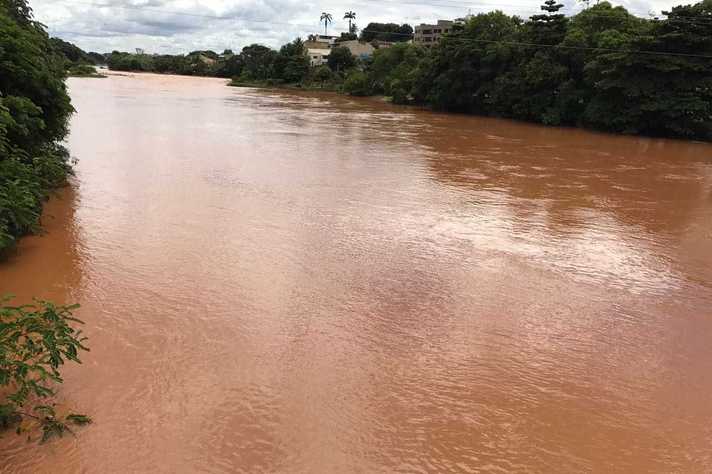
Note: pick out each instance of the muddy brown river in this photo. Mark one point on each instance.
(288, 282)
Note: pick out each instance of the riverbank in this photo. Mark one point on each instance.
(34, 115)
(327, 90)
(84, 70)
(94, 75)
(274, 84)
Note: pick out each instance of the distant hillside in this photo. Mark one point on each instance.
(74, 55)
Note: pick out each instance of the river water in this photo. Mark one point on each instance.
(276, 281)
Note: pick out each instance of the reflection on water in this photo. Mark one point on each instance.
(287, 282)
(47, 266)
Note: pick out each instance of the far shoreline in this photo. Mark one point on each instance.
(265, 85)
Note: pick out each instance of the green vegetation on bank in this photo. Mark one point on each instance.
(603, 69)
(262, 66)
(77, 62)
(197, 63)
(34, 110)
(35, 342)
(84, 70)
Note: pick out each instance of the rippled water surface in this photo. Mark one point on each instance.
(276, 281)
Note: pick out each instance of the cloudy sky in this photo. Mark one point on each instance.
(175, 26)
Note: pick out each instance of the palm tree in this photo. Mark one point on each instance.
(349, 15)
(326, 18)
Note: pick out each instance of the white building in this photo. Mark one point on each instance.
(318, 56)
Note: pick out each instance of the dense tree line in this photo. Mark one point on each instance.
(34, 110)
(390, 32)
(255, 64)
(602, 68)
(73, 54)
(197, 63)
(78, 62)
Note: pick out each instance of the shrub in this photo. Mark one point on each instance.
(83, 70)
(35, 342)
(357, 83)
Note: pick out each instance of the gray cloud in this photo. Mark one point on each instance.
(172, 26)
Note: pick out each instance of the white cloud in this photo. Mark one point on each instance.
(173, 26)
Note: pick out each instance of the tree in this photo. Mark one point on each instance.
(350, 16)
(97, 58)
(667, 90)
(390, 32)
(357, 83)
(258, 62)
(531, 86)
(321, 74)
(72, 53)
(548, 28)
(465, 63)
(292, 63)
(326, 18)
(341, 59)
(34, 111)
(348, 36)
(230, 66)
(396, 64)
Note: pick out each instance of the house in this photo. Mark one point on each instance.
(320, 41)
(429, 35)
(357, 48)
(318, 56)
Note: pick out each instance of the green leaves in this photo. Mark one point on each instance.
(79, 420)
(35, 342)
(34, 108)
(602, 68)
(52, 427)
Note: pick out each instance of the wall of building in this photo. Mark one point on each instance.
(358, 49)
(318, 57)
(429, 35)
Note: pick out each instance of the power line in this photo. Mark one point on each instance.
(583, 48)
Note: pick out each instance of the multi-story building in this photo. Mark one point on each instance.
(429, 35)
(318, 48)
